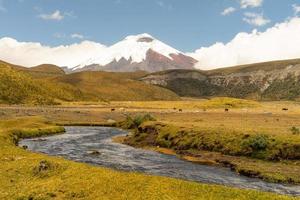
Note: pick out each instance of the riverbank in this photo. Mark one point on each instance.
(269, 157)
(94, 145)
(36, 176)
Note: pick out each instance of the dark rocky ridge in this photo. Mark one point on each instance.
(270, 81)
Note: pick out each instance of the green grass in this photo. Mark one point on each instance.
(17, 87)
(226, 102)
(26, 175)
(135, 121)
(274, 156)
(229, 142)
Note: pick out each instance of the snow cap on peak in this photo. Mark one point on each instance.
(139, 36)
(133, 48)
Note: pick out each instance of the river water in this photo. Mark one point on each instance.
(78, 143)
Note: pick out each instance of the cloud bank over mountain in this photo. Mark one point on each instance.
(31, 54)
(282, 41)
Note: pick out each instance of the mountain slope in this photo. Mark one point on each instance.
(269, 80)
(111, 86)
(40, 71)
(19, 85)
(140, 52)
(264, 66)
(46, 70)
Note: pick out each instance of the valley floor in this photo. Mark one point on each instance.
(26, 175)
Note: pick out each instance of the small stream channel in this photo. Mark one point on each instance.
(77, 143)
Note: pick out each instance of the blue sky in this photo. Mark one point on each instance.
(184, 24)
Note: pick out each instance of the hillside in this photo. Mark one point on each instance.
(45, 70)
(264, 66)
(275, 80)
(48, 84)
(111, 86)
(40, 71)
(278, 80)
(17, 87)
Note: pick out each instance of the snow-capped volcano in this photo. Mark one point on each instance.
(138, 52)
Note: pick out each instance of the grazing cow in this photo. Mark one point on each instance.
(112, 110)
(180, 110)
(285, 109)
(226, 110)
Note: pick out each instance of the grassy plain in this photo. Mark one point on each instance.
(189, 116)
(25, 175)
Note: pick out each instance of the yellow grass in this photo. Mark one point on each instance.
(20, 177)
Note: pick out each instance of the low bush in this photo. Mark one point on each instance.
(44, 168)
(136, 121)
(257, 143)
(295, 130)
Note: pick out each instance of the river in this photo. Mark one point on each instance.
(78, 143)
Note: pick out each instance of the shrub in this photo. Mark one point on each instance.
(44, 168)
(256, 143)
(135, 122)
(138, 120)
(295, 130)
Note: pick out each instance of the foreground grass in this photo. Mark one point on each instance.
(270, 152)
(223, 134)
(26, 175)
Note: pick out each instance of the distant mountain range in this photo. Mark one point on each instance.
(48, 84)
(275, 80)
(140, 52)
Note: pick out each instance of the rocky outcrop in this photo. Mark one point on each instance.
(280, 81)
(163, 79)
(154, 62)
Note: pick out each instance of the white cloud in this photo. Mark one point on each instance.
(250, 3)
(77, 36)
(228, 11)
(255, 19)
(282, 41)
(31, 54)
(296, 9)
(56, 15)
